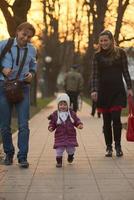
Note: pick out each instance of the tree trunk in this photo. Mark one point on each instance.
(98, 16)
(120, 10)
(20, 10)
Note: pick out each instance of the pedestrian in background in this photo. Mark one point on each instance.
(107, 88)
(9, 68)
(73, 85)
(64, 121)
(94, 108)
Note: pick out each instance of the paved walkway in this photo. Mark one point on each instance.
(92, 176)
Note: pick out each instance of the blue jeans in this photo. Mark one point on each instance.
(22, 110)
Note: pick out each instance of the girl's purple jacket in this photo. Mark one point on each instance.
(65, 133)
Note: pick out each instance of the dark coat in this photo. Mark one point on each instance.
(65, 133)
(107, 79)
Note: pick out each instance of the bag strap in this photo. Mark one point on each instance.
(6, 48)
(22, 63)
(131, 105)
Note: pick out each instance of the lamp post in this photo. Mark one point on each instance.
(48, 59)
(46, 70)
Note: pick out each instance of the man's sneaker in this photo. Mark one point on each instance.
(92, 114)
(70, 158)
(99, 115)
(23, 163)
(8, 160)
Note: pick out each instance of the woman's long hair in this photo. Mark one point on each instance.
(113, 51)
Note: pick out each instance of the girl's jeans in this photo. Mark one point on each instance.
(22, 110)
(60, 151)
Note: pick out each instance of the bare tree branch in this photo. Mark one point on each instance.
(120, 10)
(8, 17)
(20, 9)
(126, 39)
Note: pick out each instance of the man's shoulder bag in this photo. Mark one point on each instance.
(14, 91)
(6, 48)
(13, 88)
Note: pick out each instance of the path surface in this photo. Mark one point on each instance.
(92, 176)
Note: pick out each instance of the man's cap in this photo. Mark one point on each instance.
(75, 66)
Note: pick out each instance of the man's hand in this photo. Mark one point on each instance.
(94, 96)
(28, 77)
(6, 71)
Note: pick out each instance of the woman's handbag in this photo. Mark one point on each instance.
(130, 123)
(14, 88)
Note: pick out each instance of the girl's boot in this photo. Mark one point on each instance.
(59, 161)
(70, 158)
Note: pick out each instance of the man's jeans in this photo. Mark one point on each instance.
(22, 109)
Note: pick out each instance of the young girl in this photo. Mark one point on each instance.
(63, 121)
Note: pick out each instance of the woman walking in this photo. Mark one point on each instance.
(107, 88)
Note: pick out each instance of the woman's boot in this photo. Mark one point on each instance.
(117, 137)
(109, 151)
(119, 151)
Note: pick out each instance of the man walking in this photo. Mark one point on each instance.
(21, 50)
(73, 85)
